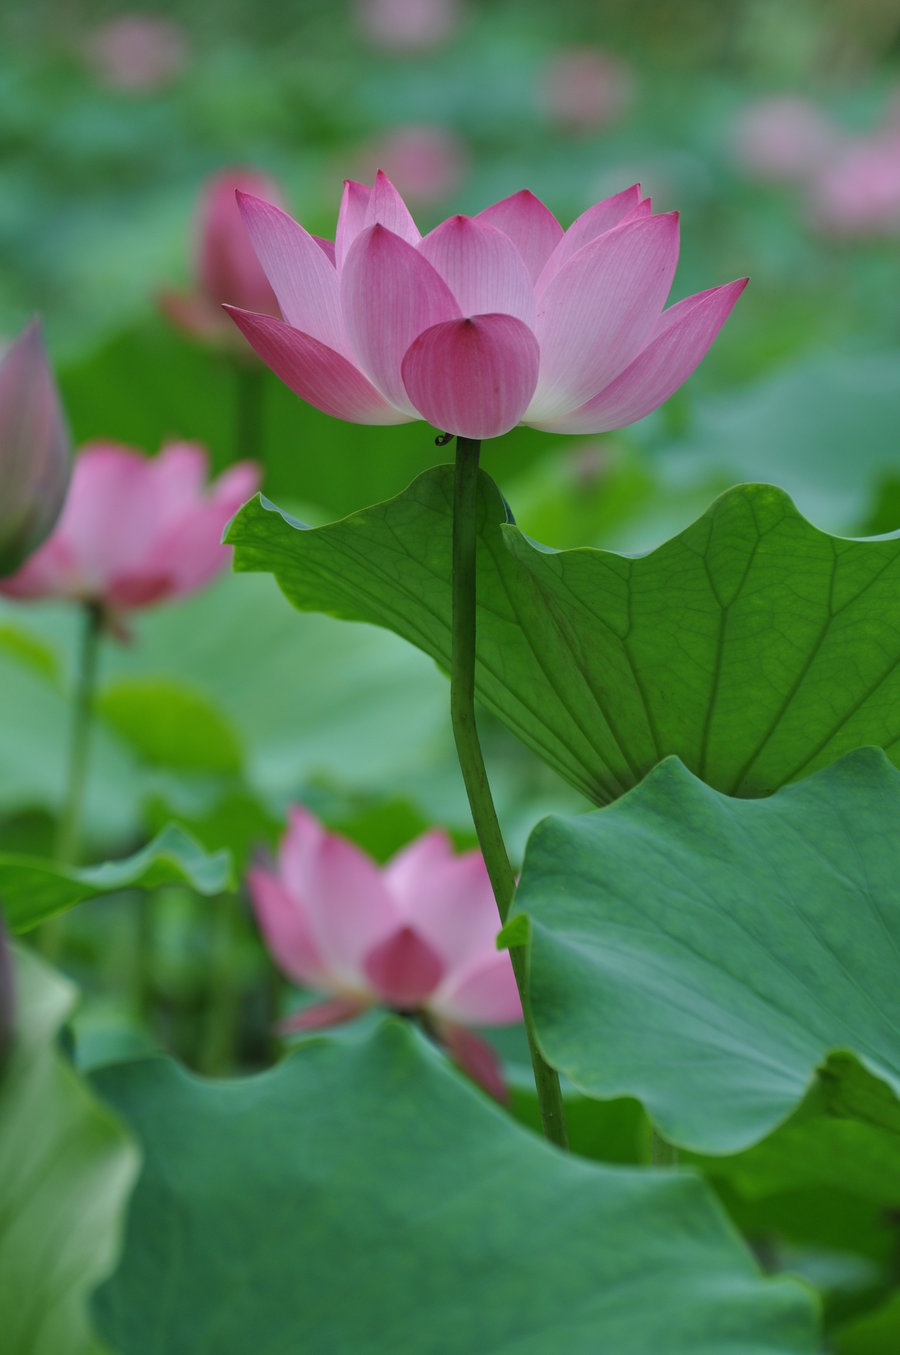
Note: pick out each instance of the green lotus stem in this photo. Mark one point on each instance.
(69, 829)
(471, 761)
(249, 400)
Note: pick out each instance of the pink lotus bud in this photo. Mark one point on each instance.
(418, 934)
(226, 268)
(429, 162)
(584, 89)
(136, 530)
(783, 139)
(407, 25)
(488, 321)
(138, 51)
(35, 451)
(857, 193)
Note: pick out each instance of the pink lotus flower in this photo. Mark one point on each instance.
(417, 934)
(138, 51)
(429, 162)
(406, 25)
(584, 88)
(225, 266)
(135, 530)
(35, 451)
(857, 192)
(784, 138)
(488, 321)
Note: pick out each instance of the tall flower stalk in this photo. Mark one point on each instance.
(69, 828)
(471, 761)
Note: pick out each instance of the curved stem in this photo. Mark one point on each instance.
(69, 829)
(471, 762)
(248, 423)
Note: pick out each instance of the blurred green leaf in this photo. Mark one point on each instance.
(364, 1166)
(170, 724)
(32, 890)
(66, 1169)
(714, 957)
(753, 646)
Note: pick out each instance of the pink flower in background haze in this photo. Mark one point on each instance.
(417, 934)
(857, 192)
(488, 321)
(225, 266)
(138, 51)
(406, 25)
(784, 138)
(428, 162)
(136, 530)
(584, 89)
(35, 451)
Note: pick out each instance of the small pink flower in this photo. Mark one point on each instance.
(488, 321)
(417, 934)
(35, 452)
(584, 89)
(135, 530)
(429, 162)
(225, 265)
(857, 193)
(138, 51)
(784, 138)
(406, 25)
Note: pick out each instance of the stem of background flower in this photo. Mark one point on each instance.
(216, 1054)
(471, 762)
(248, 424)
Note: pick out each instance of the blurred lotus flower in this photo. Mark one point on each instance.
(584, 88)
(488, 321)
(35, 451)
(138, 51)
(429, 162)
(857, 192)
(406, 25)
(784, 138)
(225, 265)
(417, 935)
(135, 530)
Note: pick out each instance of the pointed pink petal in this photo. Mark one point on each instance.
(284, 924)
(531, 226)
(326, 246)
(387, 208)
(316, 373)
(602, 217)
(476, 1057)
(596, 314)
(302, 279)
(390, 293)
(321, 1014)
(341, 892)
(678, 343)
(473, 378)
(447, 897)
(351, 218)
(404, 969)
(482, 994)
(482, 268)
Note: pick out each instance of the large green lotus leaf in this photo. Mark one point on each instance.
(66, 1169)
(32, 889)
(362, 1198)
(753, 646)
(712, 956)
(170, 724)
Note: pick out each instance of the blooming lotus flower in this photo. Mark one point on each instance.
(136, 530)
(225, 266)
(406, 25)
(585, 88)
(138, 51)
(784, 139)
(485, 322)
(35, 451)
(417, 934)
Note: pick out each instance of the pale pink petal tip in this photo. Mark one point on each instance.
(476, 1058)
(319, 1015)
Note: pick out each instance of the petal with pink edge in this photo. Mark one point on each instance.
(351, 218)
(448, 897)
(318, 1015)
(596, 314)
(387, 208)
(531, 226)
(283, 922)
(474, 1056)
(404, 969)
(678, 343)
(341, 892)
(482, 994)
(302, 278)
(390, 293)
(482, 268)
(316, 373)
(602, 217)
(473, 378)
